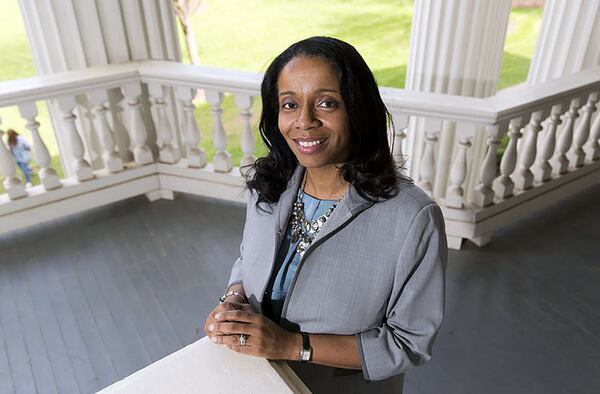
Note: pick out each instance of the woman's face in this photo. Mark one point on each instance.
(312, 114)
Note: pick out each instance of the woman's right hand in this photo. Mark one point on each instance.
(234, 304)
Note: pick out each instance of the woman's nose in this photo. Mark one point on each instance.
(306, 119)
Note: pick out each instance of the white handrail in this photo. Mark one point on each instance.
(507, 104)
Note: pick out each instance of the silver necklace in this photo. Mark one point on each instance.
(303, 229)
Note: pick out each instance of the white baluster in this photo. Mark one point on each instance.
(195, 156)
(222, 161)
(400, 129)
(244, 103)
(458, 173)
(560, 162)
(12, 184)
(592, 148)
(112, 160)
(576, 154)
(41, 154)
(168, 153)
(137, 128)
(503, 185)
(542, 169)
(427, 164)
(484, 194)
(81, 167)
(523, 177)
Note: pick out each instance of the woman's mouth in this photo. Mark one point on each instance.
(311, 145)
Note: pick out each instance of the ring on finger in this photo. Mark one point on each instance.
(243, 339)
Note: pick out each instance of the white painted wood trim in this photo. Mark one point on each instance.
(204, 367)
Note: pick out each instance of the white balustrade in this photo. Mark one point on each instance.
(112, 161)
(560, 162)
(196, 158)
(427, 163)
(47, 174)
(137, 128)
(222, 160)
(484, 194)
(592, 148)
(576, 154)
(400, 128)
(503, 185)
(80, 166)
(523, 178)
(244, 103)
(168, 153)
(13, 185)
(462, 183)
(542, 170)
(458, 173)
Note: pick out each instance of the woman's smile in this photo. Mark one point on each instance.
(310, 145)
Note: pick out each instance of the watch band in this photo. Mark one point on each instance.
(305, 353)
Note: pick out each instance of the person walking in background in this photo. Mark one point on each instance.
(20, 149)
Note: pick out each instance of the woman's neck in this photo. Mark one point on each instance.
(325, 183)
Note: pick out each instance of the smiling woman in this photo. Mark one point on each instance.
(343, 258)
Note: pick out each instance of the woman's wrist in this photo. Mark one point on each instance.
(293, 347)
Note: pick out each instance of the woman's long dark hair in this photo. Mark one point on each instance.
(370, 167)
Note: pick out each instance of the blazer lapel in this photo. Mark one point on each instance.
(286, 200)
(350, 205)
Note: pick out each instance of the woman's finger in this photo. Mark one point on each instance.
(231, 340)
(230, 328)
(239, 316)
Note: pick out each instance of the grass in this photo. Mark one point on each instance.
(248, 34)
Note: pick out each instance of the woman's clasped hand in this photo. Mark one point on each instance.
(263, 338)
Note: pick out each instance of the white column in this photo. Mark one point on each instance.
(569, 39)
(456, 48)
(71, 35)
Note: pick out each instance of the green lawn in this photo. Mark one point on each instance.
(248, 34)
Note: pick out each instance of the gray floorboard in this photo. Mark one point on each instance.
(88, 299)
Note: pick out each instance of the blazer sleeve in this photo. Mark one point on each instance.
(236, 271)
(416, 306)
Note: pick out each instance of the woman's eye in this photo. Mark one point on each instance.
(328, 104)
(288, 105)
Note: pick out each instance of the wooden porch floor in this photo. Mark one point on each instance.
(89, 299)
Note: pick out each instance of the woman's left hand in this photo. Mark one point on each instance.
(263, 337)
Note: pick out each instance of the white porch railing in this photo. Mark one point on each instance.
(457, 165)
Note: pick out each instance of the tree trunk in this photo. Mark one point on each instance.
(190, 40)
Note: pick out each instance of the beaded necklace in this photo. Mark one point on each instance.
(303, 229)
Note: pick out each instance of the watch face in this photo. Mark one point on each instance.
(305, 355)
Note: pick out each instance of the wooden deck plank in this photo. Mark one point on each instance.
(122, 339)
(18, 355)
(6, 380)
(37, 256)
(51, 263)
(33, 331)
(155, 331)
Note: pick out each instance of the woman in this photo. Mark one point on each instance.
(20, 150)
(342, 259)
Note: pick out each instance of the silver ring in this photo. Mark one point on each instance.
(243, 340)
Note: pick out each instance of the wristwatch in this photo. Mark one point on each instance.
(305, 353)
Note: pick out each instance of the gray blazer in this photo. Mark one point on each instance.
(376, 271)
